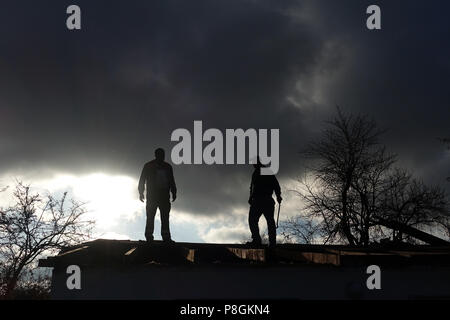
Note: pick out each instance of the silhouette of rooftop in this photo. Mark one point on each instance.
(126, 252)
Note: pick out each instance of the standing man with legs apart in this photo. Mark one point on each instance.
(157, 178)
(262, 203)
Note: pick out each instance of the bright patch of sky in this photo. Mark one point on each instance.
(112, 201)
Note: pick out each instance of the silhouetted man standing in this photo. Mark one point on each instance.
(157, 176)
(262, 203)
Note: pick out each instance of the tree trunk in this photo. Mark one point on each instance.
(345, 225)
(10, 286)
(12, 280)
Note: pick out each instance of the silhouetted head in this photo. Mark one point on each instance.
(258, 164)
(159, 154)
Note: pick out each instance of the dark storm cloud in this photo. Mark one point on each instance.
(400, 76)
(104, 97)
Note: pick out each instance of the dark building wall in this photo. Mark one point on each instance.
(252, 282)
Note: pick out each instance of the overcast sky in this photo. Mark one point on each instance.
(84, 110)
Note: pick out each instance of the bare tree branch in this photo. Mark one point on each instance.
(353, 182)
(35, 225)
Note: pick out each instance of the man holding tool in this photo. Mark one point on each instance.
(262, 203)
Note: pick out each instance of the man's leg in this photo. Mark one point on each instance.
(269, 210)
(151, 212)
(164, 209)
(253, 219)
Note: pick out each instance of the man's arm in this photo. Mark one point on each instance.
(277, 189)
(172, 185)
(141, 185)
(250, 199)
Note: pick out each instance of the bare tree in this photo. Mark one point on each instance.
(413, 203)
(348, 166)
(299, 229)
(35, 225)
(351, 185)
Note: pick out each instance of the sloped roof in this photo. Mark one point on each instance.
(127, 253)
